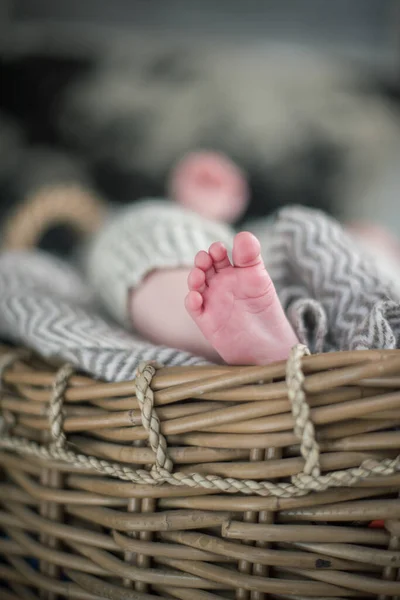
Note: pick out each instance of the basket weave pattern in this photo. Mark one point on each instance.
(202, 483)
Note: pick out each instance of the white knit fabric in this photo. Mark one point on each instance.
(150, 235)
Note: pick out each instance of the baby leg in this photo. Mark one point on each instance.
(139, 264)
(236, 306)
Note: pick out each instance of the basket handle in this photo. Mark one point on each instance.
(50, 206)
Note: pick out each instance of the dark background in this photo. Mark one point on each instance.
(45, 45)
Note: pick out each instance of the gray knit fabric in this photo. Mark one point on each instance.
(46, 306)
(336, 298)
(150, 235)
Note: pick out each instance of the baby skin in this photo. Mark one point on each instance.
(235, 305)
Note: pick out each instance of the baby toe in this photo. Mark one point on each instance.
(203, 261)
(197, 280)
(194, 303)
(219, 255)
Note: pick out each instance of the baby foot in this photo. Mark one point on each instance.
(236, 306)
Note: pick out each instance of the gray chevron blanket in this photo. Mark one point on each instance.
(334, 294)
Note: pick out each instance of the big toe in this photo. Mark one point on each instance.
(246, 250)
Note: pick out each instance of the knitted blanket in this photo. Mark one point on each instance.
(335, 296)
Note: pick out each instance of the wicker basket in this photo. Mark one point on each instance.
(215, 485)
(196, 483)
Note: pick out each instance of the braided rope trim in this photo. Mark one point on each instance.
(56, 413)
(303, 426)
(300, 485)
(163, 465)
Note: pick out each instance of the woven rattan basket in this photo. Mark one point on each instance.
(198, 483)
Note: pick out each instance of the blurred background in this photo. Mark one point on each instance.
(303, 94)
